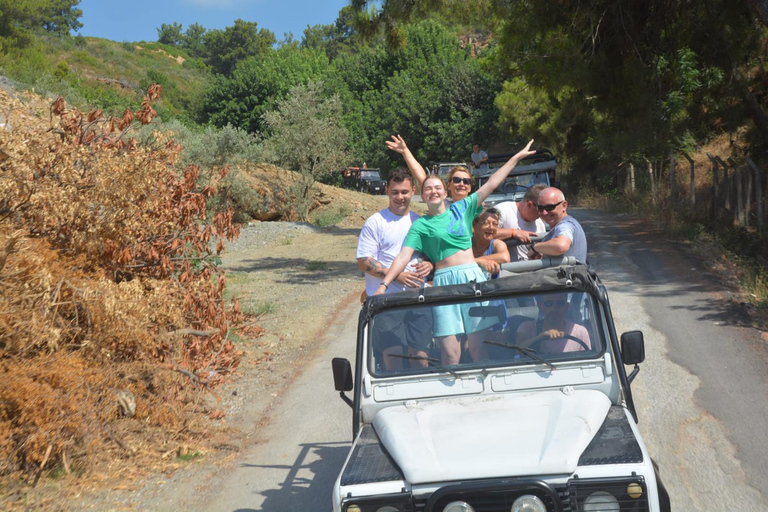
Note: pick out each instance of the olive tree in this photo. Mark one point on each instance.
(306, 135)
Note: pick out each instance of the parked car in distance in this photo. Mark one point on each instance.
(364, 180)
(538, 168)
(543, 421)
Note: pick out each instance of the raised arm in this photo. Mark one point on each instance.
(498, 177)
(398, 144)
(398, 265)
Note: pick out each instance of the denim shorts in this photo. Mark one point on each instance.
(455, 319)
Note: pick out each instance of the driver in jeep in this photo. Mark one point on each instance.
(553, 332)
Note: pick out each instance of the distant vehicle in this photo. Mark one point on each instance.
(364, 180)
(538, 168)
(442, 169)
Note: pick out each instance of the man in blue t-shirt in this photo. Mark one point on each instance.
(566, 236)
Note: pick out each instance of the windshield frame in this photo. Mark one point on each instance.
(516, 359)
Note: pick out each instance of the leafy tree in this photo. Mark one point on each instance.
(224, 49)
(430, 91)
(257, 84)
(194, 40)
(306, 136)
(170, 34)
(336, 39)
(19, 17)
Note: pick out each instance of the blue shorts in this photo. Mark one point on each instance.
(455, 319)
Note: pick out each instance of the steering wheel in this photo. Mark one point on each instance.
(543, 337)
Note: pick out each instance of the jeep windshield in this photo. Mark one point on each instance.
(370, 175)
(530, 329)
(515, 186)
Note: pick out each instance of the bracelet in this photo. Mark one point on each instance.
(532, 246)
(386, 286)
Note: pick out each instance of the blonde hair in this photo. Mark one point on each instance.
(451, 174)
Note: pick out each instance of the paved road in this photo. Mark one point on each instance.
(701, 394)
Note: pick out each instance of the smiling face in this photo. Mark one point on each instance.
(485, 226)
(552, 206)
(459, 191)
(400, 195)
(433, 191)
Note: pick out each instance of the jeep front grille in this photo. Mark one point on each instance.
(496, 498)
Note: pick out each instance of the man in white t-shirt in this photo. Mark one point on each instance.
(520, 220)
(380, 241)
(479, 159)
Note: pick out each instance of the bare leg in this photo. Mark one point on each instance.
(478, 351)
(416, 363)
(393, 363)
(451, 350)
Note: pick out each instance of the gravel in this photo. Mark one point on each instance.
(258, 234)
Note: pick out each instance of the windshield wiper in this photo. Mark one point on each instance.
(527, 351)
(430, 360)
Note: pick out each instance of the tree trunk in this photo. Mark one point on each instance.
(653, 181)
(758, 116)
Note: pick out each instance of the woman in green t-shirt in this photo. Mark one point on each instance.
(445, 237)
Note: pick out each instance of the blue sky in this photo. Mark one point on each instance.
(138, 20)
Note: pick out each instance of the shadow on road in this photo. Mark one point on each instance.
(299, 270)
(308, 482)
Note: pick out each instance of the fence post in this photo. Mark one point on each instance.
(758, 196)
(726, 183)
(714, 184)
(653, 181)
(693, 179)
(632, 177)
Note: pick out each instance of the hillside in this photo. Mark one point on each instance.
(112, 75)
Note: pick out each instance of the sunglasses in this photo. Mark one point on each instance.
(548, 207)
(551, 302)
(458, 180)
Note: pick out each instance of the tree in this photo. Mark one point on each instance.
(337, 39)
(257, 84)
(307, 136)
(431, 91)
(224, 49)
(194, 40)
(170, 34)
(19, 17)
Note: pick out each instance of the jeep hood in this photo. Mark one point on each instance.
(536, 433)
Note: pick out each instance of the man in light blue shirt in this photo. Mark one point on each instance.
(566, 236)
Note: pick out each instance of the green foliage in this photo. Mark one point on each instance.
(170, 34)
(316, 265)
(257, 84)
(19, 18)
(431, 92)
(306, 135)
(224, 49)
(330, 218)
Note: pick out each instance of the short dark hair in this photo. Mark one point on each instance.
(486, 212)
(532, 194)
(399, 175)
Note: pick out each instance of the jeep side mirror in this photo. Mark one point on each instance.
(632, 351)
(632, 347)
(342, 377)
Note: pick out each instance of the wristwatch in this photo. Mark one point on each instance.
(532, 246)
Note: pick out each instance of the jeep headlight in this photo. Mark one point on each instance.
(458, 506)
(528, 503)
(601, 501)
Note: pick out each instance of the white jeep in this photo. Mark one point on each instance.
(543, 421)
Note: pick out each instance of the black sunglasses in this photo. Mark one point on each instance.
(548, 207)
(458, 180)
